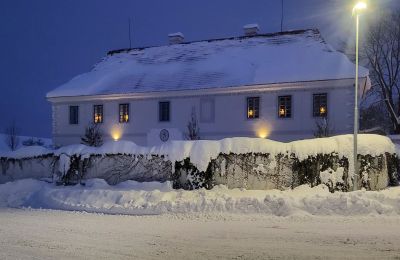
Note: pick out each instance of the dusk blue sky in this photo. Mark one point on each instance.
(44, 43)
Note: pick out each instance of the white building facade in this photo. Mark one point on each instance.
(275, 86)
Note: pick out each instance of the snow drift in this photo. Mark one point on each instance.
(159, 198)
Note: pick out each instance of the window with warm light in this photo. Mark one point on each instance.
(123, 113)
(253, 107)
(98, 114)
(285, 106)
(163, 111)
(73, 115)
(320, 105)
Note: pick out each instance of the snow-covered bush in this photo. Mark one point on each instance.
(93, 136)
(33, 142)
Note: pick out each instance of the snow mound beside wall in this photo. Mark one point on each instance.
(135, 198)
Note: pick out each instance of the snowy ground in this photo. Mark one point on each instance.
(153, 198)
(4, 147)
(161, 223)
(48, 234)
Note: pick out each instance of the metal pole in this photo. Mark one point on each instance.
(355, 183)
(281, 15)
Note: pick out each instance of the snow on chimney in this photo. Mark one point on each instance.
(176, 38)
(251, 29)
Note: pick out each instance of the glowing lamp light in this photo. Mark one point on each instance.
(360, 6)
(116, 133)
(262, 133)
(126, 117)
(262, 129)
(282, 112)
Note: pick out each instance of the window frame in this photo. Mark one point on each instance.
(161, 112)
(95, 112)
(255, 106)
(122, 112)
(76, 113)
(287, 106)
(317, 113)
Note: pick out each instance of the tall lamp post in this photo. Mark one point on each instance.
(359, 7)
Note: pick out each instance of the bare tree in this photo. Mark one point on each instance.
(193, 126)
(11, 136)
(382, 49)
(93, 136)
(323, 128)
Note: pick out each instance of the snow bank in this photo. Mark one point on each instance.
(159, 198)
(4, 149)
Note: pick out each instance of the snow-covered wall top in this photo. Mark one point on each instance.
(263, 59)
(202, 151)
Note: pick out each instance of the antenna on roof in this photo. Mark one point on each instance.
(281, 15)
(130, 41)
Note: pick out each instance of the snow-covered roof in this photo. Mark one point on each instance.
(241, 61)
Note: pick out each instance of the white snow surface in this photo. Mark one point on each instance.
(155, 198)
(4, 147)
(243, 61)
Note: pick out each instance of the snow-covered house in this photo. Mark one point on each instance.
(256, 85)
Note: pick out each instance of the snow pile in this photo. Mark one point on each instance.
(4, 147)
(159, 198)
(243, 61)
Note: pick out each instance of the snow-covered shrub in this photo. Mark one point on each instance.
(252, 171)
(70, 170)
(93, 136)
(33, 142)
(393, 168)
(187, 176)
(328, 169)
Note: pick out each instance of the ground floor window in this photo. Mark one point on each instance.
(123, 113)
(73, 115)
(163, 111)
(98, 114)
(285, 106)
(320, 105)
(253, 107)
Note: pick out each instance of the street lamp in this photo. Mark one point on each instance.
(359, 7)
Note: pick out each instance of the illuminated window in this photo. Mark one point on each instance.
(320, 105)
(253, 107)
(74, 115)
(285, 106)
(163, 111)
(98, 114)
(123, 113)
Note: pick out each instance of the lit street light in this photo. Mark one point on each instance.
(359, 7)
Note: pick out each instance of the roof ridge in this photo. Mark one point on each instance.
(274, 34)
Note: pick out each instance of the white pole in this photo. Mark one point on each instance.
(355, 183)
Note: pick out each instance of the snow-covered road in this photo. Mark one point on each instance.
(47, 234)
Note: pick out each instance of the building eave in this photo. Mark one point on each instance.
(332, 83)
